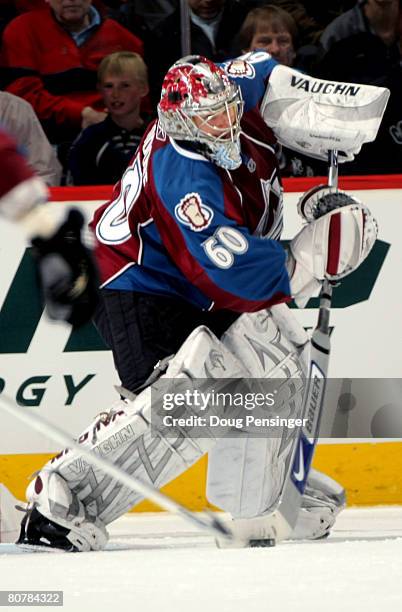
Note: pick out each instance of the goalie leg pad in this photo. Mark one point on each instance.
(246, 473)
(323, 500)
(124, 436)
(68, 525)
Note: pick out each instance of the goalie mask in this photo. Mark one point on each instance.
(200, 104)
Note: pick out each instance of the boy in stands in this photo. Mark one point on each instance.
(103, 151)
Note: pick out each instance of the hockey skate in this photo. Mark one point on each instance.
(56, 519)
(40, 533)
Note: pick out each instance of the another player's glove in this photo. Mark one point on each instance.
(67, 273)
(330, 247)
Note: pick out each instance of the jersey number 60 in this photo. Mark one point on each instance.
(223, 245)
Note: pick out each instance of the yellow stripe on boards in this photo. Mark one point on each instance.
(370, 472)
(16, 471)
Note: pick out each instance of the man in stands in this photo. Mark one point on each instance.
(213, 27)
(363, 45)
(52, 56)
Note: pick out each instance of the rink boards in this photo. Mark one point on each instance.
(69, 378)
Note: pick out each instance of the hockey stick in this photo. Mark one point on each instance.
(210, 523)
(285, 515)
(280, 523)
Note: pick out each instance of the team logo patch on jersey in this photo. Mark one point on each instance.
(240, 68)
(192, 212)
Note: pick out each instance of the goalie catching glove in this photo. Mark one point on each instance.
(330, 246)
(67, 273)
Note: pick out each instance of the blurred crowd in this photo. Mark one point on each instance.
(80, 79)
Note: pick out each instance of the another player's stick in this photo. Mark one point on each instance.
(209, 523)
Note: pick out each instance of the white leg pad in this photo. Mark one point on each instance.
(52, 496)
(125, 437)
(323, 500)
(246, 473)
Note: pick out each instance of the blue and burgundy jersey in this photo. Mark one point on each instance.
(181, 226)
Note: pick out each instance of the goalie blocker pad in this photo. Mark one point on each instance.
(330, 247)
(322, 199)
(312, 115)
(335, 245)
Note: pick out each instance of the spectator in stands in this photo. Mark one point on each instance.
(102, 151)
(303, 13)
(379, 17)
(364, 45)
(18, 118)
(312, 17)
(214, 24)
(274, 30)
(52, 55)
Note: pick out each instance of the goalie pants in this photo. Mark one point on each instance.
(141, 329)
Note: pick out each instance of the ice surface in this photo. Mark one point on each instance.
(158, 563)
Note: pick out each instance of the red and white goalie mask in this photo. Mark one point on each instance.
(200, 104)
